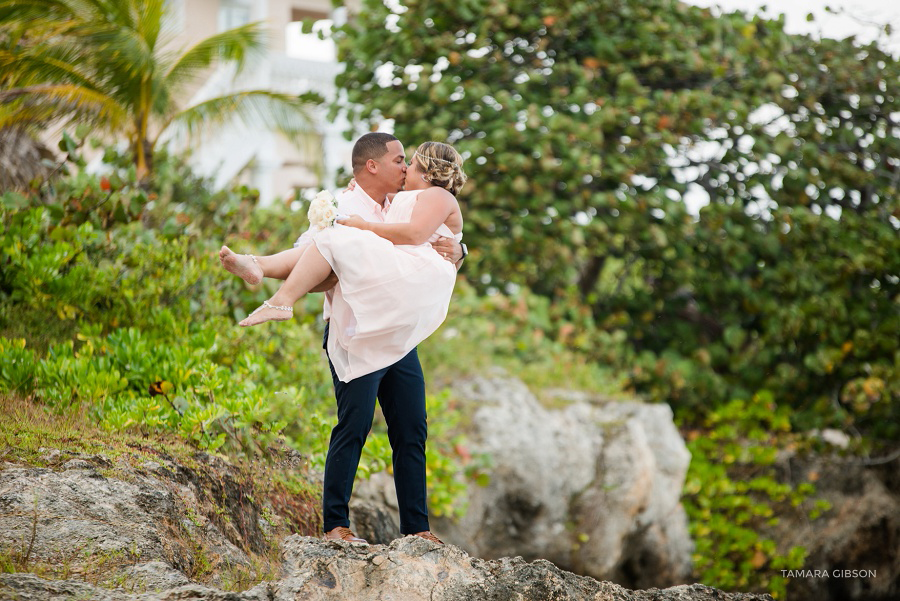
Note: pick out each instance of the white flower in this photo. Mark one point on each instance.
(315, 215)
(322, 210)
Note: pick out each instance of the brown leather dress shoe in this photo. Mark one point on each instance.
(428, 535)
(345, 534)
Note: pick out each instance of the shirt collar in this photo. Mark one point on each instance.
(369, 202)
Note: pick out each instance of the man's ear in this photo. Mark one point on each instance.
(372, 166)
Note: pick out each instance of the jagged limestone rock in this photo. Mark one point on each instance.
(594, 488)
(409, 569)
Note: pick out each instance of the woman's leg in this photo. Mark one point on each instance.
(310, 271)
(276, 266)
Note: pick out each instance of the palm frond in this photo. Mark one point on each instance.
(12, 11)
(128, 63)
(50, 65)
(150, 22)
(62, 12)
(121, 13)
(23, 113)
(66, 98)
(235, 45)
(103, 62)
(263, 109)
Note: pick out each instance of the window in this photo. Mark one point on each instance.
(233, 13)
(308, 46)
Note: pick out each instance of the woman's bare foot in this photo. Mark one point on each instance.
(242, 266)
(267, 312)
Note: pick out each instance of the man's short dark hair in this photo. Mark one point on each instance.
(369, 146)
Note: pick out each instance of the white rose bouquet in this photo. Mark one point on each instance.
(322, 210)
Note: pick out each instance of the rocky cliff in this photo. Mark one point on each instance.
(135, 523)
(104, 518)
(409, 569)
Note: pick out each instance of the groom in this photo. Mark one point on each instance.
(379, 168)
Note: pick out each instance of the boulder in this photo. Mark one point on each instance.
(150, 524)
(374, 522)
(77, 512)
(593, 488)
(856, 543)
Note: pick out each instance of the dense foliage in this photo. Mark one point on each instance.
(733, 492)
(588, 129)
(112, 301)
(587, 125)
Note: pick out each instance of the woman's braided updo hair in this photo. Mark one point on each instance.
(441, 166)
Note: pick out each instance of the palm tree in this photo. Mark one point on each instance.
(107, 63)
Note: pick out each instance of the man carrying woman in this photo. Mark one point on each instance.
(395, 260)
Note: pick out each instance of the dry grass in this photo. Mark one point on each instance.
(233, 494)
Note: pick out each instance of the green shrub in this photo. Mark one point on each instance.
(524, 334)
(133, 319)
(17, 367)
(732, 492)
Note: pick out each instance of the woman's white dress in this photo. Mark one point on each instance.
(399, 294)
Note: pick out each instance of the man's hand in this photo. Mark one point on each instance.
(448, 248)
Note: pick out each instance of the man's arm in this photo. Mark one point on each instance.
(326, 284)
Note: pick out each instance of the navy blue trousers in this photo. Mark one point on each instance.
(400, 390)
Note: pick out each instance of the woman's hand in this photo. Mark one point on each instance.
(351, 185)
(353, 221)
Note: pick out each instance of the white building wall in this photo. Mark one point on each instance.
(262, 159)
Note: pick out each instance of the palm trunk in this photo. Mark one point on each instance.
(141, 162)
(142, 148)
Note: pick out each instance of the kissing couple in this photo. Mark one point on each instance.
(388, 272)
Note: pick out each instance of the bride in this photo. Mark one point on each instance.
(398, 287)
